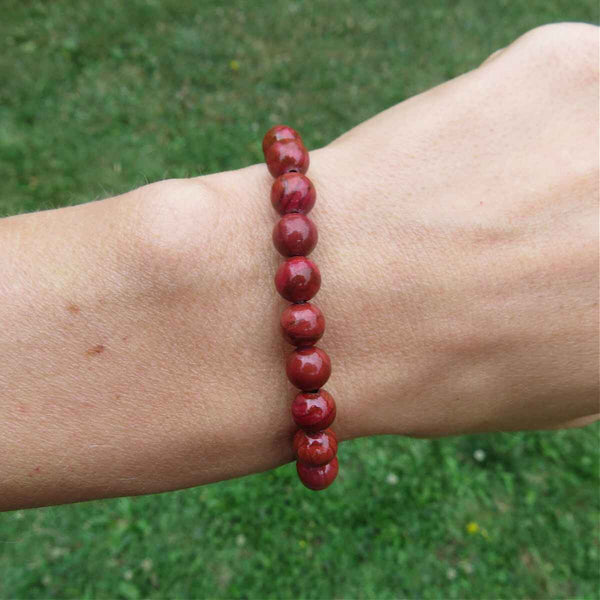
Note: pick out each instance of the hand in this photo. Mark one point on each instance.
(459, 250)
(464, 226)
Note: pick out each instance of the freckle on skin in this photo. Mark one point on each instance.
(73, 309)
(98, 349)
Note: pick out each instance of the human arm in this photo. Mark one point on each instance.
(458, 246)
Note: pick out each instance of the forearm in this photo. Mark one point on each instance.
(114, 376)
(140, 343)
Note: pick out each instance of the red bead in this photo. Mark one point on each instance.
(315, 449)
(308, 368)
(298, 279)
(302, 324)
(313, 411)
(277, 133)
(285, 156)
(295, 235)
(293, 193)
(318, 478)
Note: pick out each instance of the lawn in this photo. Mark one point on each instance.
(99, 97)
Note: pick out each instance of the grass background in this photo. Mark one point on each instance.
(99, 97)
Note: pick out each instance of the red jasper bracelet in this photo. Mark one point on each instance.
(298, 279)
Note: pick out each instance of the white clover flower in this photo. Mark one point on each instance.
(392, 479)
(479, 455)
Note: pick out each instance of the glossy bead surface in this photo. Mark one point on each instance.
(308, 368)
(293, 193)
(313, 411)
(278, 133)
(295, 235)
(302, 324)
(318, 478)
(285, 156)
(298, 279)
(316, 448)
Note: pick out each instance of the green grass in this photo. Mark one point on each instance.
(99, 97)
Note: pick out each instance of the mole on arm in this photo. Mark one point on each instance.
(73, 309)
(98, 349)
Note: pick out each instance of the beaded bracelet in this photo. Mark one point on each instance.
(298, 279)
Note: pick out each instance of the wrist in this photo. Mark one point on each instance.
(370, 326)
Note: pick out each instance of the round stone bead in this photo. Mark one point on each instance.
(278, 133)
(293, 193)
(315, 449)
(285, 156)
(308, 368)
(298, 279)
(295, 235)
(302, 324)
(313, 411)
(318, 478)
